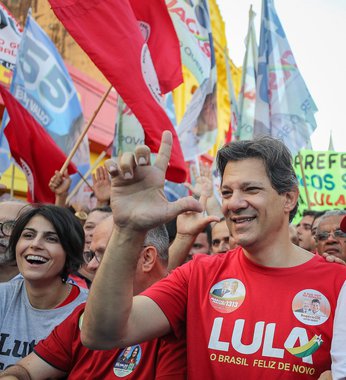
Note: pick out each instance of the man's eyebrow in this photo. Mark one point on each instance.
(245, 184)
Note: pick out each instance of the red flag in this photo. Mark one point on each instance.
(162, 40)
(108, 31)
(33, 149)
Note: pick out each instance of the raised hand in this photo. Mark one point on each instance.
(203, 183)
(137, 197)
(60, 183)
(192, 223)
(101, 185)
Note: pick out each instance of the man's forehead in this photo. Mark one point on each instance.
(307, 219)
(102, 233)
(330, 222)
(220, 229)
(96, 216)
(10, 210)
(250, 171)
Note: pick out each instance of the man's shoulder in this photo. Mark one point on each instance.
(333, 268)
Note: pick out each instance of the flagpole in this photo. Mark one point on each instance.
(304, 179)
(80, 183)
(76, 145)
(12, 181)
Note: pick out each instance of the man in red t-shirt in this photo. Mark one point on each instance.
(62, 354)
(254, 329)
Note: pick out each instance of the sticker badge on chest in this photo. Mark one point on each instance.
(311, 307)
(127, 361)
(227, 295)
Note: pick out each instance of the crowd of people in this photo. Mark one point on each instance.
(143, 288)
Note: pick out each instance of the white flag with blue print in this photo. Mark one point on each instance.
(284, 106)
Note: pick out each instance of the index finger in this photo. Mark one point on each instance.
(164, 153)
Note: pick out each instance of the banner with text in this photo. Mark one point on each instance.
(325, 176)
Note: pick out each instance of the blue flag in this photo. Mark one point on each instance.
(284, 106)
(42, 84)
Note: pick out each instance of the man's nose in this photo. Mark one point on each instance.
(93, 265)
(235, 202)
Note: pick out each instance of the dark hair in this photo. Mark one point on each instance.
(171, 227)
(207, 231)
(312, 213)
(275, 156)
(67, 227)
(102, 209)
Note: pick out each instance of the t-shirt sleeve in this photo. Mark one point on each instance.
(338, 349)
(171, 359)
(56, 349)
(170, 294)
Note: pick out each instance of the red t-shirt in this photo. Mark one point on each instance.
(245, 321)
(163, 358)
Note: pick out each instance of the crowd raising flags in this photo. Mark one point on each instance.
(142, 57)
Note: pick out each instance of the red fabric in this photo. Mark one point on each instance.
(343, 224)
(160, 359)
(33, 149)
(248, 335)
(228, 135)
(74, 293)
(108, 31)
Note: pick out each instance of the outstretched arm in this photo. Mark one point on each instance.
(112, 316)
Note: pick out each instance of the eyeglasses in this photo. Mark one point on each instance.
(7, 227)
(89, 255)
(337, 234)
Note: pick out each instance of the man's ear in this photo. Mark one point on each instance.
(291, 199)
(149, 256)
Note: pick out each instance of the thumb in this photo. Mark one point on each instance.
(182, 205)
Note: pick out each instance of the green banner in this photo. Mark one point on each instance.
(325, 176)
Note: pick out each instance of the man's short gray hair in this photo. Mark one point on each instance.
(158, 237)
